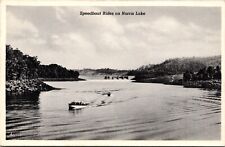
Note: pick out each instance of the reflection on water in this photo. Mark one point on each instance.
(22, 102)
(22, 116)
(137, 111)
(76, 111)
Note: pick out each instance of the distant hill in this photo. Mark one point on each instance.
(100, 73)
(103, 71)
(176, 66)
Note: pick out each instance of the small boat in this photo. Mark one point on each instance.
(106, 93)
(77, 105)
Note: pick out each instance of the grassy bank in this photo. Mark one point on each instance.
(169, 79)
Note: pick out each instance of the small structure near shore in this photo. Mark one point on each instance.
(116, 77)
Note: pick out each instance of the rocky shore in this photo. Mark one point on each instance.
(26, 86)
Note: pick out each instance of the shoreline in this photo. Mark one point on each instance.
(28, 86)
(208, 84)
(61, 79)
(171, 80)
(168, 80)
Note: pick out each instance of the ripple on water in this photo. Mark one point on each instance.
(141, 111)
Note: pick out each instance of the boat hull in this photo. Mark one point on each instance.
(72, 107)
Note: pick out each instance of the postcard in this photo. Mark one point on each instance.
(119, 73)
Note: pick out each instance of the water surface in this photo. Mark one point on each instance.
(137, 111)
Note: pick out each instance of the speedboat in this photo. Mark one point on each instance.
(77, 105)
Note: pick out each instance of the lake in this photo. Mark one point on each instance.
(134, 111)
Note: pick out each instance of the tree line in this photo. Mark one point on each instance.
(203, 74)
(56, 71)
(20, 66)
(175, 66)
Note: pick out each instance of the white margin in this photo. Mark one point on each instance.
(4, 3)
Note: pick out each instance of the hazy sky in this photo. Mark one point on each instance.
(60, 35)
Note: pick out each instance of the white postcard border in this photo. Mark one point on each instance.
(5, 3)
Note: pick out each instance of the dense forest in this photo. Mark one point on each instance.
(20, 66)
(208, 73)
(56, 71)
(175, 66)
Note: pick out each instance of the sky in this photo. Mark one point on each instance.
(61, 35)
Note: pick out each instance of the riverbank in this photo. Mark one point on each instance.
(18, 87)
(209, 84)
(169, 79)
(178, 80)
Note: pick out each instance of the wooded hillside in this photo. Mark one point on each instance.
(176, 66)
(20, 66)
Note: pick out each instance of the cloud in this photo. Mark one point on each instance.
(17, 28)
(23, 34)
(70, 15)
(167, 31)
(76, 41)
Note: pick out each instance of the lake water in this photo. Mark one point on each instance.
(137, 111)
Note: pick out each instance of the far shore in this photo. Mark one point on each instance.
(17, 87)
(177, 80)
(61, 79)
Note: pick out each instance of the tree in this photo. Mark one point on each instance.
(217, 74)
(210, 72)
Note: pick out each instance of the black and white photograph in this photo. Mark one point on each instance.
(113, 72)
